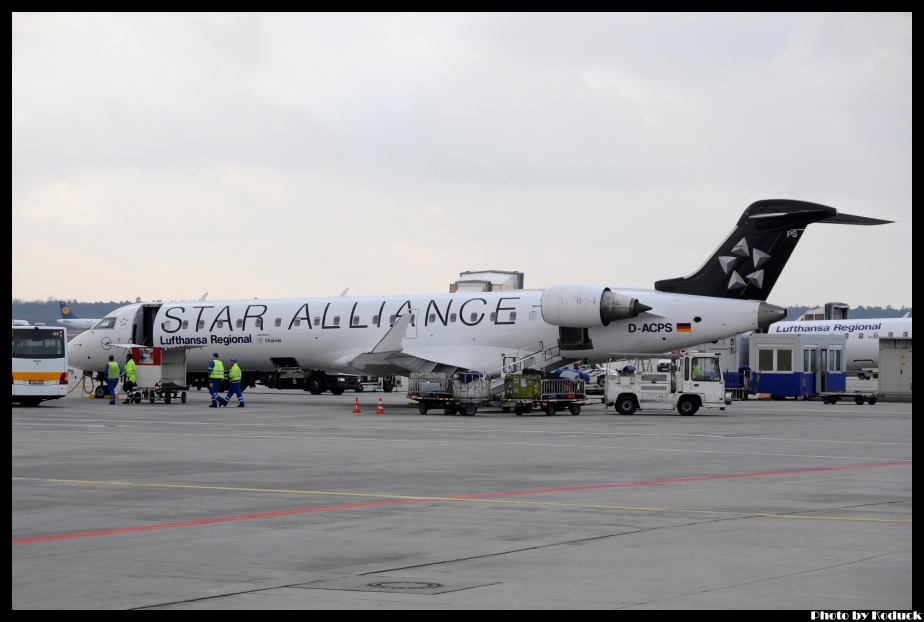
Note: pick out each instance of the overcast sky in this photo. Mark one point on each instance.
(288, 155)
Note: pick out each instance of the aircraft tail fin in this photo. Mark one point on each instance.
(66, 312)
(750, 260)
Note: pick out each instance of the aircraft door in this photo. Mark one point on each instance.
(906, 369)
(412, 327)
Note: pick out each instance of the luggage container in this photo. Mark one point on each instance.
(526, 392)
(160, 373)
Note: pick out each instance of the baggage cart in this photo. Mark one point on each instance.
(461, 394)
(160, 374)
(526, 392)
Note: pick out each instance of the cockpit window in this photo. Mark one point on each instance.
(106, 322)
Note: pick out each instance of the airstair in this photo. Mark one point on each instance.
(535, 356)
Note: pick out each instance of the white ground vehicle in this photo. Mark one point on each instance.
(39, 364)
(694, 381)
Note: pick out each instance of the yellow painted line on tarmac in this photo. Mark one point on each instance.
(586, 506)
(220, 488)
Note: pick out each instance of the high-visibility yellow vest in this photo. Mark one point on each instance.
(218, 370)
(234, 374)
(130, 370)
(112, 371)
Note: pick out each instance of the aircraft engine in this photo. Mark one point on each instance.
(587, 306)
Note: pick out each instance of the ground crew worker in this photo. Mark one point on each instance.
(113, 373)
(234, 377)
(128, 383)
(216, 375)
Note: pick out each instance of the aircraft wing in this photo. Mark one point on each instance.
(388, 358)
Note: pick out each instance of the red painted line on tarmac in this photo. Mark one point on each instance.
(211, 521)
(373, 504)
(683, 480)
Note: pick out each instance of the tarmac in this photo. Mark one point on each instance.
(294, 502)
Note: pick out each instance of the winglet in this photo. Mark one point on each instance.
(204, 296)
(343, 295)
(394, 338)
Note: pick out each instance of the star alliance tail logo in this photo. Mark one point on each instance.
(741, 252)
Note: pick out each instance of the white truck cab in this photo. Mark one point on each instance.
(693, 381)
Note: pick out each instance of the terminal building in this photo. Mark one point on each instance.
(487, 281)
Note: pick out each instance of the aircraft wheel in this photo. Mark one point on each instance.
(100, 393)
(575, 409)
(625, 406)
(422, 408)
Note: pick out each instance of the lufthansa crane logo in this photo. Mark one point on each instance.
(741, 251)
(65, 310)
(106, 343)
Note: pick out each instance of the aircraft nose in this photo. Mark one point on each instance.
(768, 314)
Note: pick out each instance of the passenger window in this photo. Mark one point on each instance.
(317, 321)
(355, 321)
(513, 316)
(297, 322)
(201, 324)
(392, 320)
(875, 335)
(185, 324)
(239, 323)
(168, 325)
(861, 336)
(278, 322)
(259, 323)
(474, 318)
(452, 318)
(336, 320)
(906, 335)
(375, 320)
(890, 335)
(221, 324)
(532, 316)
(493, 317)
(433, 318)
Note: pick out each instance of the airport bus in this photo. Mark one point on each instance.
(39, 364)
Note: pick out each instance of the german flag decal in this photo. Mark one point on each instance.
(684, 328)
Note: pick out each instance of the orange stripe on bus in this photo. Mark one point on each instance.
(37, 375)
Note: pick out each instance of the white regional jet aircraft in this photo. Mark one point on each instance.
(863, 335)
(396, 335)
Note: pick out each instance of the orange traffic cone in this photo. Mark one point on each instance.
(356, 410)
(381, 409)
